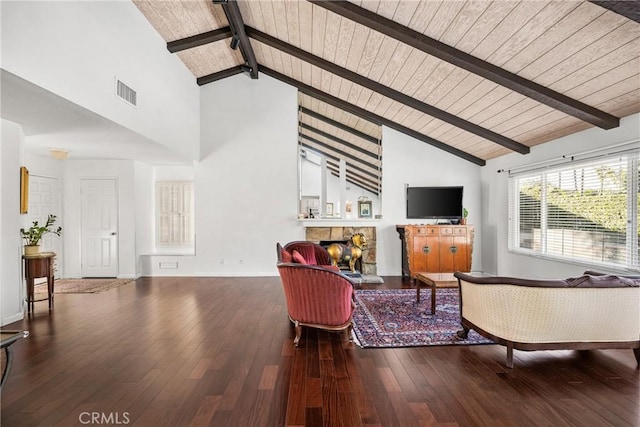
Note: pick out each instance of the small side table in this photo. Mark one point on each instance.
(40, 265)
(423, 278)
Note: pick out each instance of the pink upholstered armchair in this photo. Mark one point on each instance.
(317, 297)
(312, 253)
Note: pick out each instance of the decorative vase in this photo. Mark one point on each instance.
(463, 221)
(31, 249)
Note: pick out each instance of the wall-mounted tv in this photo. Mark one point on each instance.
(434, 202)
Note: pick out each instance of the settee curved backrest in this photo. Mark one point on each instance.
(584, 281)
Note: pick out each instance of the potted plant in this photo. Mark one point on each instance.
(34, 234)
(465, 213)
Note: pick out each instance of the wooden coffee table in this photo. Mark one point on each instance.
(424, 278)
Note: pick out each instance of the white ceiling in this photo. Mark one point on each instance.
(50, 121)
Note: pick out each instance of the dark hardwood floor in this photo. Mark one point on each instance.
(219, 351)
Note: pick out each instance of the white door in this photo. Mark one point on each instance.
(99, 228)
(44, 199)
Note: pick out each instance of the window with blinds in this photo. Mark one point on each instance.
(584, 211)
(174, 214)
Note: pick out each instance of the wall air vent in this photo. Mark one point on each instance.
(125, 93)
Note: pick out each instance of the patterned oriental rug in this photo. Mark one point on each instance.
(81, 286)
(392, 318)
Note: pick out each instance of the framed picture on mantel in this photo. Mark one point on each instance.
(364, 209)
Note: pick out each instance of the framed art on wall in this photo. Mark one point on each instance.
(364, 209)
(24, 190)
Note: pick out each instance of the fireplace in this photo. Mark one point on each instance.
(328, 235)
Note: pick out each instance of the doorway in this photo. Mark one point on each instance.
(99, 228)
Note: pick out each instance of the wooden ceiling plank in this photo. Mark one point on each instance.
(405, 12)
(424, 15)
(472, 64)
(628, 9)
(370, 52)
(507, 30)
(279, 11)
(470, 13)
(202, 19)
(345, 35)
(331, 36)
(611, 79)
(443, 19)
(382, 61)
(535, 25)
(293, 24)
(356, 47)
(621, 36)
(581, 39)
(571, 23)
(600, 67)
(384, 90)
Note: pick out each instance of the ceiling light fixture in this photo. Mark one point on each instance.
(58, 153)
(235, 42)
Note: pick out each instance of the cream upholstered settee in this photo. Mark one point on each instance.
(588, 312)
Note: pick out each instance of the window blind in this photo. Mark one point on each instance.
(583, 211)
(174, 214)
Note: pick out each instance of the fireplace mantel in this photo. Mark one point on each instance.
(339, 222)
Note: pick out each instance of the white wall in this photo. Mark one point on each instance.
(408, 161)
(11, 284)
(76, 49)
(498, 259)
(246, 183)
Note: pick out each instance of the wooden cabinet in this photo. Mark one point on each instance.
(439, 250)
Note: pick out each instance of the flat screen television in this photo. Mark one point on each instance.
(434, 202)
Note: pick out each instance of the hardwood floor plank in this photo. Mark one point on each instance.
(180, 351)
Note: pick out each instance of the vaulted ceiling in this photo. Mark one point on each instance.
(476, 78)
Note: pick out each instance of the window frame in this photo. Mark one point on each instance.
(543, 172)
(185, 190)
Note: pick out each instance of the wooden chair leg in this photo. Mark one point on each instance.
(350, 332)
(636, 351)
(296, 340)
(510, 355)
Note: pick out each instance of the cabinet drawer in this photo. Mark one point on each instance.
(419, 230)
(433, 230)
(460, 230)
(446, 230)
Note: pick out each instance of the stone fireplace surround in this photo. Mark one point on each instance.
(338, 233)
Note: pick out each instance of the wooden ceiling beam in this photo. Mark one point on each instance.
(374, 118)
(627, 8)
(339, 140)
(387, 91)
(338, 125)
(232, 12)
(199, 39)
(470, 63)
(209, 78)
